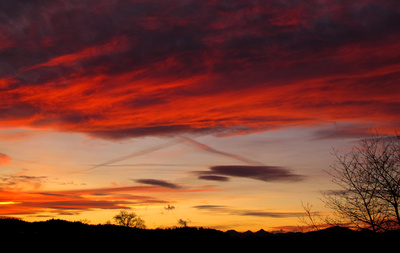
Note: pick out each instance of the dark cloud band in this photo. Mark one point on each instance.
(244, 212)
(262, 173)
(161, 183)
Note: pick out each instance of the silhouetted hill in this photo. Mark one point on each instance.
(77, 236)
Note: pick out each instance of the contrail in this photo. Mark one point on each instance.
(212, 150)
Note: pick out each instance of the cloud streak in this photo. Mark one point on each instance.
(245, 212)
(222, 68)
(37, 202)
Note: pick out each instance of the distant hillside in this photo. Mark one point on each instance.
(65, 235)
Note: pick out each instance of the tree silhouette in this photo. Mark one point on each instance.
(183, 223)
(369, 178)
(129, 220)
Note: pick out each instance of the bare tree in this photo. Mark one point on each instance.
(383, 156)
(129, 220)
(369, 178)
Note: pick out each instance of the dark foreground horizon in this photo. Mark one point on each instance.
(77, 236)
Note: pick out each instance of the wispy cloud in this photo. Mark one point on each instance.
(218, 209)
(341, 131)
(21, 182)
(19, 135)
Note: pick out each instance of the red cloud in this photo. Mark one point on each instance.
(134, 69)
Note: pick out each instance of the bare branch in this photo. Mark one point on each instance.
(309, 218)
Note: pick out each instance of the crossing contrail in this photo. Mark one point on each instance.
(185, 140)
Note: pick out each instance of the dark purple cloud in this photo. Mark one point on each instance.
(262, 173)
(339, 131)
(214, 178)
(161, 183)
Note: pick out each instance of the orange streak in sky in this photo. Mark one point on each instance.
(31, 202)
(95, 103)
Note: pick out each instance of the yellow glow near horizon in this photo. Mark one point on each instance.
(8, 203)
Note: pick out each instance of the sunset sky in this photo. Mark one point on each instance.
(222, 113)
